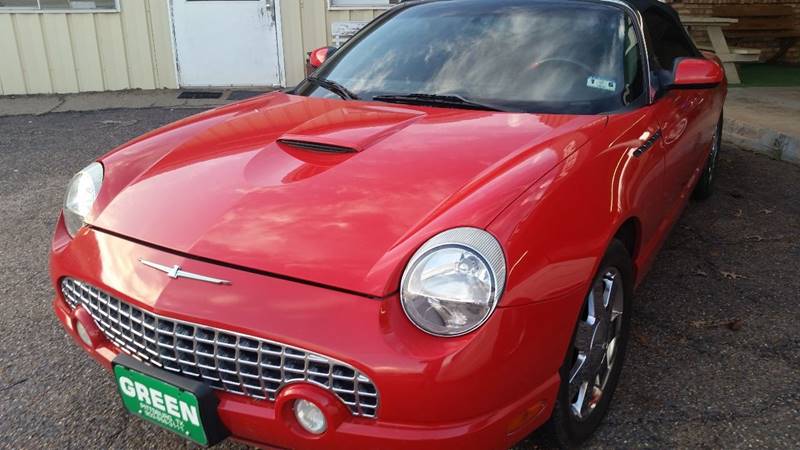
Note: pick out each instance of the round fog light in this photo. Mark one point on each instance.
(83, 334)
(310, 417)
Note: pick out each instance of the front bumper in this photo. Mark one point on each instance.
(482, 391)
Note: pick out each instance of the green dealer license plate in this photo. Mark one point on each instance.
(180, 405)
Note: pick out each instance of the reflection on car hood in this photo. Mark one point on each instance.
(226, 186)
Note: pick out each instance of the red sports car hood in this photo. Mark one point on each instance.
(247, 185)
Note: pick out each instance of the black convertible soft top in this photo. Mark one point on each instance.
(646, 5)
(667, 12)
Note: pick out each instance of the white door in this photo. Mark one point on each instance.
(226, 42)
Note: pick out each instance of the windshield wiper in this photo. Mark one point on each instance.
(334, 87)
(451, 100)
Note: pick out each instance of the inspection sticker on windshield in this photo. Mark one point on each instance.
(601, 83)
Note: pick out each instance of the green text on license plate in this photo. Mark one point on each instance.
(161, 403)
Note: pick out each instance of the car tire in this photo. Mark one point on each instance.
(568, 428)
(705, 187)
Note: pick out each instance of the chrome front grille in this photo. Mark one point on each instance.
(225, 360)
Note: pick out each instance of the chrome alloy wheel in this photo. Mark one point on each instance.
(596, 342)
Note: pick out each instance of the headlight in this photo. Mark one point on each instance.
(81, 194)
(453, 283)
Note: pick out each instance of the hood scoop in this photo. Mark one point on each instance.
(349, 129)
(317, 146)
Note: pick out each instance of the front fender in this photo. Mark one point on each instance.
(556, 234)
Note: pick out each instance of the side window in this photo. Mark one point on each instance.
(634, 85)
(669, 42)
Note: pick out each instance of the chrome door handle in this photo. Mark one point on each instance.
(648, 144)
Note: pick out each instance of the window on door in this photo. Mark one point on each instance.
(59, 5)
(668, 41)
(634, 73)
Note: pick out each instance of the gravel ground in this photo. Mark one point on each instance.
(713, 363)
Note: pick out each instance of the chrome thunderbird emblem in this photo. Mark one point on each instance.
(175, 272)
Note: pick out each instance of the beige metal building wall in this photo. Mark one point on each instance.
(43, 52)
(306, 25)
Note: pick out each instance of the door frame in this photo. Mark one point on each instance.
(276, 4)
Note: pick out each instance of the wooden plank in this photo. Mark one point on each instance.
(732, 73)
(764, 23)
(736, 50)
(162, 44)
(336, 15)
(12, 77)
(721, 48)
(292, 33)
(83, 39)
(315, 25)
(361, 15)
(60, 59)
(707, 21)
(33, 53)
(111, 44)
(764, 34)
(736, 58)
(718, 41)
(745, 51)
(137, 45)
(752, 10)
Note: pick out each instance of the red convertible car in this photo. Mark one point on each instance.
(432, 242)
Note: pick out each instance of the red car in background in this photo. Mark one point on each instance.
(432, 242)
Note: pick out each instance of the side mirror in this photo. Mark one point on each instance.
(320, 55)
(696, 73)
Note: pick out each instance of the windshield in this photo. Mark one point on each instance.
(547, 57)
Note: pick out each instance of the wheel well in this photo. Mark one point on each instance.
(628, 234)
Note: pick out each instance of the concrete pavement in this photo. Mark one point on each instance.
(135, 99)
(764, 120)
(713, 362)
